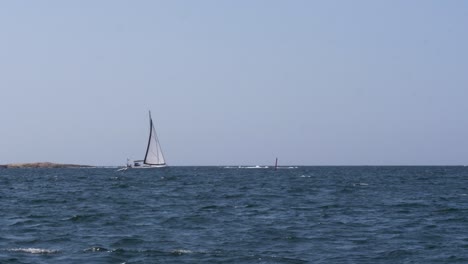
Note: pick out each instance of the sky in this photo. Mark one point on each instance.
(364, 82)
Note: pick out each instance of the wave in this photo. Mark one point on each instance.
(181, 251)
(178, 251)
(96, 249)
(259, 167)
(360, 184)
(246, 167)
(33, 250)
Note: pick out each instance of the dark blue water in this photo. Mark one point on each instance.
(231, 215)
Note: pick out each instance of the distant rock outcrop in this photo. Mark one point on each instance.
(42, 165)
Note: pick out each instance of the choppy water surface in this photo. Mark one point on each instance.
(235, 215)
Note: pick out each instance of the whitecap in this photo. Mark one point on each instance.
(246, 167)
(96, 249)
(255, 167)
(181, 251)
(33, 250)
(361, 184)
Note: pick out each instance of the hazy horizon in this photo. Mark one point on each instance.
(235, 82)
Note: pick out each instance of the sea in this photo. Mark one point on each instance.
(235, 214)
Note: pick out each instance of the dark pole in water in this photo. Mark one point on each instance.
(276, 164)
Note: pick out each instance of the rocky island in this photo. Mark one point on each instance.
(47, 165)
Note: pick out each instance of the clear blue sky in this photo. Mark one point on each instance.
(235, 82)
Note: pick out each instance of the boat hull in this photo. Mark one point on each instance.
(148, 167)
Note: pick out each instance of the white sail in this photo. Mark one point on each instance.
(154, 155)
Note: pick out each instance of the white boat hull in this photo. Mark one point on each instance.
(142, 167)
(148, 167)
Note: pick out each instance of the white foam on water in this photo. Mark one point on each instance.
(33, 250)
(96, 249)
(181, 251)
(246, 167)
(361, 184)
(254, 167)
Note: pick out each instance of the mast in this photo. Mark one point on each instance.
(276, 164)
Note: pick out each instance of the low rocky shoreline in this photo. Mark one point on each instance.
(46, 165)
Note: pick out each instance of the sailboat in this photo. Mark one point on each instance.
(154, 157)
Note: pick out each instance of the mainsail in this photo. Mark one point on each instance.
(154, 155)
